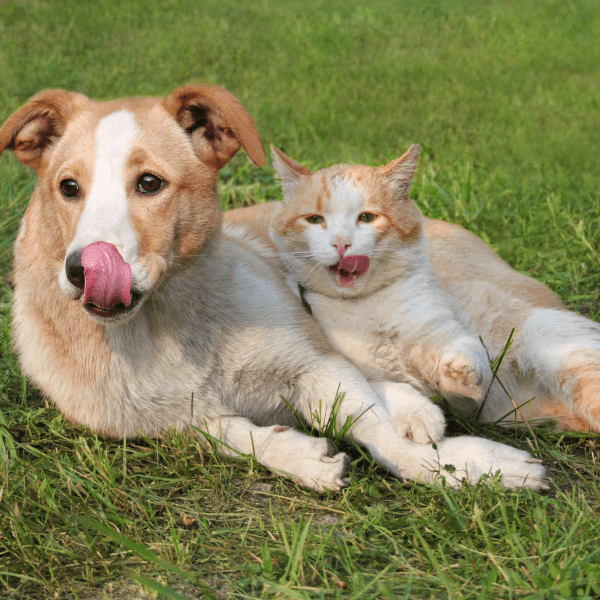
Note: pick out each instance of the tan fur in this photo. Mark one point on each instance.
(66, 353)
(399, 220)
(255, 220)
(426, 346)
(564, 415)
(451, 249)
(582, 374)
(459, 255)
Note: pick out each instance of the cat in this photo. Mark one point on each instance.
(353, 246)
(407, 299)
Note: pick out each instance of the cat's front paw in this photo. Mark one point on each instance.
(465, 370)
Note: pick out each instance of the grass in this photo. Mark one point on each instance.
(503, 98)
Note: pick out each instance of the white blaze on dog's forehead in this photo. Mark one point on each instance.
(106, 213)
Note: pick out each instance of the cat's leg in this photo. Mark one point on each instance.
(312, 462)
(561, 350)
(413, 415)
(447, 355)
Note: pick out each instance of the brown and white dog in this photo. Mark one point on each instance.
(134, 312)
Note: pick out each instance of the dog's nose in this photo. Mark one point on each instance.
(75, 270)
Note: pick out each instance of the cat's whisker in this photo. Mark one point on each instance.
(296, 263)
(303, 255)
(298, 258)
(305, 278)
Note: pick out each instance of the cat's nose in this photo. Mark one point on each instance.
(341, 248)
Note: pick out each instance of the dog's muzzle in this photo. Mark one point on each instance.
(105, 279)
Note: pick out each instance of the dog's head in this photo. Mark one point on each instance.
(126, 189)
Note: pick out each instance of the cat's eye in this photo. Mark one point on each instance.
(69, 188)
(150, 184)
(367, 217)
(315, 219)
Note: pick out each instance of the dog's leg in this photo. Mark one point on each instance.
(473, 457)
(456, 459)
(413, 415)
(312, 462)
(561, 350)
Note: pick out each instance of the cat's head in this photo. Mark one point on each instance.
(347, 231)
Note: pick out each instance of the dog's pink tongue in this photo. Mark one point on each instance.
(355, 265)
(107, 276)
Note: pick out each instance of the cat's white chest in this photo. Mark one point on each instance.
(368, 315)
(366, 330)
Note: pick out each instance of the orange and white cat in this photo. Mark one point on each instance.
(352, 242)
(407, 298)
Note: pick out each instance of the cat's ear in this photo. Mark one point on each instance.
(402, 170)
(290, 172)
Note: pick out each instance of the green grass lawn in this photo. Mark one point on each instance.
(504, 98)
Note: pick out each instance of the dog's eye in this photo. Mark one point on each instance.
(150, 184)
(69, 188)
(315, 219)
(367, 217)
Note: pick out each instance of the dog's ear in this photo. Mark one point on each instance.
(34, 128)
(290, 172)
(216, 123)
(402, 171)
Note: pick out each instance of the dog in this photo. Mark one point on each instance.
(134, 311)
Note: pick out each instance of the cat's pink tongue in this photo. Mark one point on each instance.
(355, 266)
(107, 276)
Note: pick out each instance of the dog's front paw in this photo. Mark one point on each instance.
(470, 458)
(413, 415)
(423, 424)
(323, 467)
(465, 370)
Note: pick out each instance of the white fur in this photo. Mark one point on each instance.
(395, 322)
(402, 322)
(425, 303)
(341, 227)
(551, 336)
(311, 462)
(375, 330)
(413, 415)
(106, 213)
